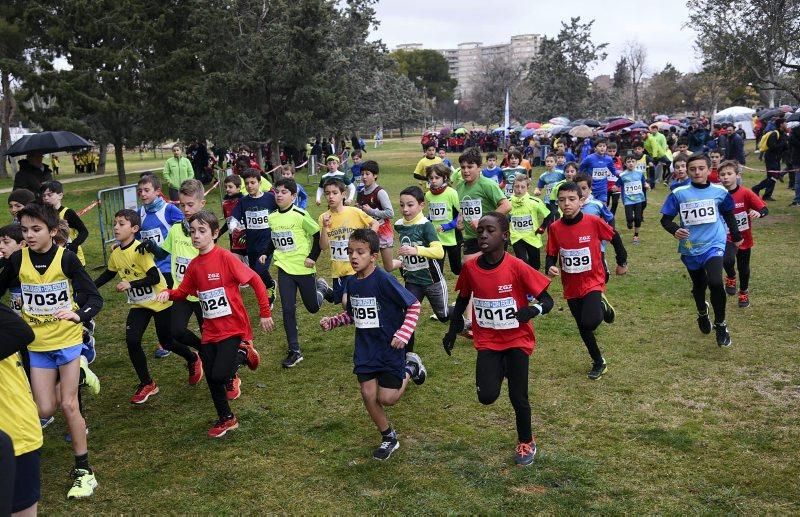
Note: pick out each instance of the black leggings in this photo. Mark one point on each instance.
(633, 215)
(182, 311)
(588, 314)
(288, 285)
(490, 368)
(613, 200)
(528, 253)
(220, 362)
(8, 466)
(709, 276)
(741, 259)
(138, 320)
(453, 254)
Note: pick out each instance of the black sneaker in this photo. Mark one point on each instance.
(704, 322)
(525, 453)
(271, 294)
(387, 447)
(598, 370)
(723, 336)
(292, 358)
(609, 314)
(325, 290)
(422, 373)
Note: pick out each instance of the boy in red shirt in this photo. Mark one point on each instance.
(500, 285)
(214, 277)
(574, 242)
(716, 157)
(747, 206)
(233, 187)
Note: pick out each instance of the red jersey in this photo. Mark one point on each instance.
(215, 278)
(236, 236)
(744, 200)
(578, 247)
(497, 294)
(713, 176)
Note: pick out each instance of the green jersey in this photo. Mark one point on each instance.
(178, 244)
(554, 192)
(293, 232)
(441, 211)
(477, 199)
(509, 175)
(420, 269)
(527, 215)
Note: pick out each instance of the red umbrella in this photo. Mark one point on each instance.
(532, 125)
(616, 125)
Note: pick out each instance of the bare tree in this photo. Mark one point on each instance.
(635, 55)
(489, 94)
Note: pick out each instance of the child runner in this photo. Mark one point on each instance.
(374, 201)
(644, 163)
(141, 281)
(214, 276)
(570, 171)
(385, 316)
(429, 159)
(51, 278)
(233, 194)
(355, 172)
(421, 253)
(332, 163)
(613, 189)
(633, 185)
(513, 171)
(705, 209)
(11, 240)
(574, 252)
(287, 171)
(295, 243)
(254, 209)
(528, 215)
(679, 173)
(17, 201)
(501, 286)
(442, 202)
(747, 206)
(548, 178)
(337, 223)
(492, 171)
(53, 194)
(716, 157)
(442, 153)
(599, 166)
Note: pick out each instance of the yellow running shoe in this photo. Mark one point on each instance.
(84, 484)
(89, 378)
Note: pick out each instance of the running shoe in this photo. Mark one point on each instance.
(730, 285)
(598, 370)
(83, 484)
(195, 370)
(46, 421)
(386, 448)
(222, 426)
(324, 290)
(704, 322)
(144, 392)
(744, 299)
(525, 453)
(723, 336)
(161, 352)
(88, 350)
(609, 314)
(415, 362)
(88, 327)
(251, 355)
(292, 358)
(90, 380)
(271, 293)
(233, 388)
(636, 239)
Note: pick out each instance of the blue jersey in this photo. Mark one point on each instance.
(155, 227)
(600, 168)
(631, 184)
(569, 156)
(494, 174)
(378, 305)
(699, 208)
(679, 183)
(547, 181)
(254, 211)
(301, 201)
(447, 162)
(355, 170)
(596, 208)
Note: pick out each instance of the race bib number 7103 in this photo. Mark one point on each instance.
(699, 212)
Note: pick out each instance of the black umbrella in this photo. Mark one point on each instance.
(48, 142)
(794, 117)
(769, 113)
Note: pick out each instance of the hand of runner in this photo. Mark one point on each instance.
(681, 234)
(123, 286)
(309, 262)
(396, 343)
(449, 341)
(267, 324)
(163, 296)
(754, 214)
(66, 314)
(622, 270)
(553, 271)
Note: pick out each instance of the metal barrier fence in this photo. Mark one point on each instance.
(112, 200)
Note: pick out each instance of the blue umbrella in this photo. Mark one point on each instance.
(638, 125)
(527, 132)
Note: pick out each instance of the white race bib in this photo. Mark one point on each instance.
(339, 251)
(437, 211)
(699, 212)
(283, 241)
(471, 209)
(496, 313)
(46, 299)
(365, 312)
(510, 187)
(153, 235)
(633, 189)
(181, 263)
(576, 261)
(599, 173)
(141, 294)
(414, 262)
(214, 303)
(16, 302)
(548, 189)
(522, 223)
(257, 220)
(742, 221)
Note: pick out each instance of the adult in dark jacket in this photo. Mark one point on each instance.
(32, 173)
(735, 149)
(794, 159)
(777, 144)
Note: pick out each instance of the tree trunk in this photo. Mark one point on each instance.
(5, 121)
(119, 154)
(275, 149)
(101, 165)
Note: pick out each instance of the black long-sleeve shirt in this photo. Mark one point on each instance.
(75, 223)
(16, 333)
(152, 276)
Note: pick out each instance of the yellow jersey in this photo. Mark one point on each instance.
(131, 265)
(19, 417)
(342, 225)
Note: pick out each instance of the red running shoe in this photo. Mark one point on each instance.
(233, 388)
(222, 426)
(252, 357)
(195, 370)
(144, 392)
(730, 286)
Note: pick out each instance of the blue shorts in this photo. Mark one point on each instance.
(695, 262)
(53, 359)
(27, 481)
(338, 287)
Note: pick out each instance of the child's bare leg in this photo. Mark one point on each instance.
(43, 386)
(70, 378)
(386, 257)
(369, 393)
(389, 397)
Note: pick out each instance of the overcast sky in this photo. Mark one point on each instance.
(658, 24)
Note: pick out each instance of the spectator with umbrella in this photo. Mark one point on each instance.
(32, 170)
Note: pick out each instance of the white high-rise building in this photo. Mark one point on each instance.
(465, 60)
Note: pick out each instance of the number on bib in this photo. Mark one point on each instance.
(283, 241)
(141, 294)
(46, 299)
(339, 251)
(181, 263)
(16, 302)
(471, 209)
(599, 173)
(699, 212)
(414, 262)
(365, 312)
(153, 236)
(257, 220)
(522, 223)
(214, 303)
(437, 211)
(633, 189)
(498, 313)
(576, 261)
(548, 189)
(742, 221)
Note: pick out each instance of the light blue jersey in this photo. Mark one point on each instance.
(157, 219)
(699, 208)
(631, 184)
(547, 181)
(594, 207)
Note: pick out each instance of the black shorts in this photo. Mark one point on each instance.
(27, 483)
(385, 379)
(471, 246)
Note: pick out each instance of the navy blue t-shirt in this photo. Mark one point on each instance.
(378, 305)
(254, 211)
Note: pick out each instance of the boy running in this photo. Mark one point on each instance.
(513, 171)
(442, 202)
(426, 161)
(679, 173)
(528, 215)
(233, 194)
(374, 201)
(500, 286)
(53, 194)
(705, 209)
(548, 178)
(332, 163)
(385, 315)
(492, 171)
(287, 171)
(632, 185)
(599, 166)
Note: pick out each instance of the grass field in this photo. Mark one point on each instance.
(676, 426)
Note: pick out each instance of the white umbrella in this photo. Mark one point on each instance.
(734, 114)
